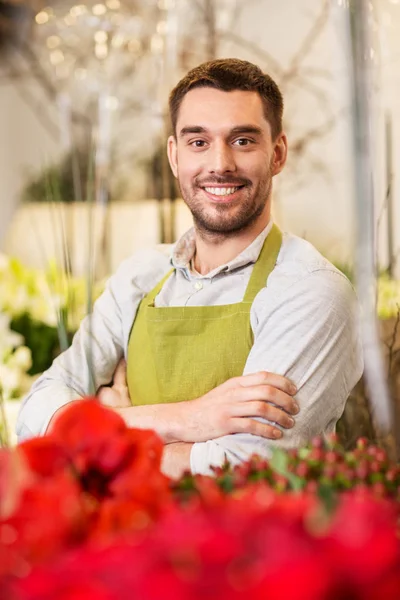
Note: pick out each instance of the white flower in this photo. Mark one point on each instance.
(10, 379)
(8, 339)
(21, 358)
(43, 295)
(15, 361)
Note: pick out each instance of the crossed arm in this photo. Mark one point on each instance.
(232, 407)
(312, 337)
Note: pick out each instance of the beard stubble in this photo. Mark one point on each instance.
(218, 220)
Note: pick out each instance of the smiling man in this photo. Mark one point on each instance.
(243, 327)
(230, 198)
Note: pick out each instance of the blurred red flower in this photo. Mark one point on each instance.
(88, 515)
(47, 519)
(117, 466)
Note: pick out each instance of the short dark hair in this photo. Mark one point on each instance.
(229, 74)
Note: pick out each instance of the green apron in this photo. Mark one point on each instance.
(180, 353)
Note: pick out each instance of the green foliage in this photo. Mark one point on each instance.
(44, 306)
(42, 339)
(280, 464)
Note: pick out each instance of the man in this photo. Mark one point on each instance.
(240, 313)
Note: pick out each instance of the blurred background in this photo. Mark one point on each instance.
(84, 175)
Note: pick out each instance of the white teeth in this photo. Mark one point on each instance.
(221, 191)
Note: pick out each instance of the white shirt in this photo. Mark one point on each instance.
(305, 325)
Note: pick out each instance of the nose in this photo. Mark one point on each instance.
(221, 158)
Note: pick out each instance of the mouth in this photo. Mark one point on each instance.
(222, 193)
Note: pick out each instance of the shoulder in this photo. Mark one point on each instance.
(298, 258)
(143, 270)
(299, 261)
(303, 275)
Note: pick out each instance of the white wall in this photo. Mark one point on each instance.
(129, 227)
(25, 146)
(7, 193)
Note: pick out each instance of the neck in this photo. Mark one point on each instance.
(216, 249)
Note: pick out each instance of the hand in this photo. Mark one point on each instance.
(234, 406)
(116, 396)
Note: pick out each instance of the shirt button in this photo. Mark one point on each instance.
(198, 285)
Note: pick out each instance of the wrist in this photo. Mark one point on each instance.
(176, 459)
(158, 417)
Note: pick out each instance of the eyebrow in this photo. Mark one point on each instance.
(191, 129)
(240, 129)
(246, 129)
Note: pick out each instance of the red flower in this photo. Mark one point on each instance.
(14, 477)
(41, 511)
(93, 438)
(104, 573)
(44, 456)
(363, 546)
(48, 519)
(118, 466)
(210, 494)
(92, 471)
(253, 547)
(75, 524)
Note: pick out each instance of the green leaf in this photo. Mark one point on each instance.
(328, 496)
(303, 453)
(226, 483)
(280, 462)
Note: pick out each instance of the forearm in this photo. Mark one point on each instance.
(167, 420)
(321, 400)
(176, 459)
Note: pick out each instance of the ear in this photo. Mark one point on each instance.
(280, 153)
(172, 154)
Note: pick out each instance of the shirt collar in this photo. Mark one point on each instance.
(185, 247)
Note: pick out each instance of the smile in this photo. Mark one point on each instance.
(222, 191)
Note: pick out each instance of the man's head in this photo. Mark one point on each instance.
(227, 75)
(227, 144)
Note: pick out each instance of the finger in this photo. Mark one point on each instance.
(268, 393)
(265, 378)
(120, 373)
(263, 410)
(108, 397)
(264, 430)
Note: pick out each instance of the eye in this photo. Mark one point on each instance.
(243, 142)
(197, 143)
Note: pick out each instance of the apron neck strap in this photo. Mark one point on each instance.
(151, 295)
(265, 264)
(262, 268)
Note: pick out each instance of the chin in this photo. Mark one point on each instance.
(222, 227)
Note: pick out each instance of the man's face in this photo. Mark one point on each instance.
(224, 158)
